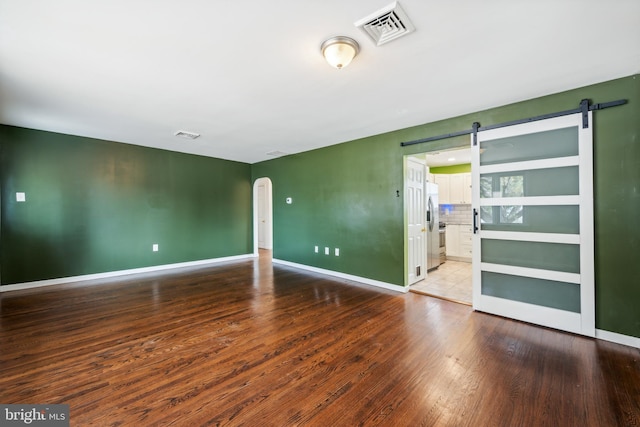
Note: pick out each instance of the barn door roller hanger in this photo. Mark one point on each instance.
(584, 108)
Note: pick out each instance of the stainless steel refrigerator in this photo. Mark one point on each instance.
(433, 230)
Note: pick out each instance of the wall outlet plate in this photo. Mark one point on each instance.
(155, 247)
(21, 197)
(326, 251)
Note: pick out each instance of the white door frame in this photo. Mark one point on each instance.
(268, 215)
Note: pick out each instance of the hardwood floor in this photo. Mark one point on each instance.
(246, 344)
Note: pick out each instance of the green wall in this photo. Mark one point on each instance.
(95, 206)
(463, 168)
(345, 196)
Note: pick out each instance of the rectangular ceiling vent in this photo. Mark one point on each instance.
(387, 24)
(276, 153)
(186, 134)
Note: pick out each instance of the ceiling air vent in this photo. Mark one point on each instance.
(276, 153)
(387, 24)
(186, 134)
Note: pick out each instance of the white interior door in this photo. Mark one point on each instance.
(262, 219)
(262, 193)
(533, 210)
(415, 220)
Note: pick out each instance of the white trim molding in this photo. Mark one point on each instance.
(556, 162)
(63, 280)
(618, 338)
(358, 279)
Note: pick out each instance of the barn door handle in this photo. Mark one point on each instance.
(475, 221)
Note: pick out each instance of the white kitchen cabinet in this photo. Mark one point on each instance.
(454, 189)
(458, 243)
(452, 242)
(465, 241)
(466, 188)
(443, 188)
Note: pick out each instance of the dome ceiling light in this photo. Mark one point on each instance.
(339, 51)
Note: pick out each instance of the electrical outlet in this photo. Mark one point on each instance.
(326, 251)
(316, 249)
(337, 252)
(155, 247)
(21, 197)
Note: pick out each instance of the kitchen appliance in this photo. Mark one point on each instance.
(433, 227)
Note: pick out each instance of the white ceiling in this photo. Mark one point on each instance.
(448, 158)
(249, 77)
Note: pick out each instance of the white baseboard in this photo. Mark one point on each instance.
(618, 338)
(358, 279)
(62, 280)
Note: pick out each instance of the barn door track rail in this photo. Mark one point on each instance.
(584, 108)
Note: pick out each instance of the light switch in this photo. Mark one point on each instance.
(21, 197)
(326, 251)
(337, 252)
(155, 247)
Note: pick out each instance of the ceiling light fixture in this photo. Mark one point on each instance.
(339, 51)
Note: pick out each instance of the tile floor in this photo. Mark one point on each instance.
(452, 280)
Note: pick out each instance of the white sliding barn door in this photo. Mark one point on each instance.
(533, 210)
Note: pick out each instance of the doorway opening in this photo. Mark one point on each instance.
(448, 184)
(262, 217)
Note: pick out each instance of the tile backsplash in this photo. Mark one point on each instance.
(455, 214)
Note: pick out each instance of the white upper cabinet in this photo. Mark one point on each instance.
(443, 188)
(466, 188)
(454, 189)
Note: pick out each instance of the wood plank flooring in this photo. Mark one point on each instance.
(248, 344)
